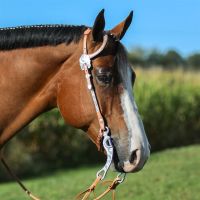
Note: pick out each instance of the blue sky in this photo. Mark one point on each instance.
(157, 24)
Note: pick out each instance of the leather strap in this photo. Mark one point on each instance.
(85, 195)
(16, 178)
(85, 63)
(105, 40)
(112, 187)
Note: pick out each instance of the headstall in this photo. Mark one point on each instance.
(85, 64)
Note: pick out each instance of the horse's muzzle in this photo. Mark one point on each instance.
(136, 162)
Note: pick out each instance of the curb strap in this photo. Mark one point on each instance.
(11, 173)
(85, 65)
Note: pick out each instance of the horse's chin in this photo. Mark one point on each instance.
(116, 164)
(116, 167)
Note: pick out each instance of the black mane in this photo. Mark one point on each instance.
(39, 35)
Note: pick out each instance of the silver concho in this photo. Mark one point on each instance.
(85, 61)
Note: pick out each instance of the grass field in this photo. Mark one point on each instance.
(169, 175)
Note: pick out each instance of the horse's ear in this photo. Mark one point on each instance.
(120, 30)
(98, 27)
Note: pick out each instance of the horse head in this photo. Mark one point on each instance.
(113, 79)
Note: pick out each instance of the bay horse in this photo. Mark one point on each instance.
(39, 71)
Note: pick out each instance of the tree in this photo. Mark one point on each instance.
(155, 58)
(173, 59)
(194, 61)
(137, 56)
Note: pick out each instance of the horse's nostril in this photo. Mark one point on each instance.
(133, 157)
(133, 164)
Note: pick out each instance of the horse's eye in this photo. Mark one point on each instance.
(103, 76)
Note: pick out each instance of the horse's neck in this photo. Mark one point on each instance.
(28, 70)
(27, 82)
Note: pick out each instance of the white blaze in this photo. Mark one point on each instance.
(138, 139)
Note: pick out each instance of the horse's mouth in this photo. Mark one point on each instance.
(116, 162)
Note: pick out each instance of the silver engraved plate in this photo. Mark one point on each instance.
(85, 61)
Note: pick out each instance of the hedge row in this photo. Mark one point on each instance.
(169, 102)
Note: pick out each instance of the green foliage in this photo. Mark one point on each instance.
(137, 56)
(51, 144)
(155, 58)
(167, 60)
(173, 59)
(194, 60)
(170, 105)
(172, 174)
(169, 102)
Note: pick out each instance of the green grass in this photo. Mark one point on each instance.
(169, 175)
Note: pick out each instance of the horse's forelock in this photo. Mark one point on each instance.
(122, 64)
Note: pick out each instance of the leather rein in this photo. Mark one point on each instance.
(103, 136)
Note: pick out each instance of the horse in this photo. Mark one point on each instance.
(39, 71)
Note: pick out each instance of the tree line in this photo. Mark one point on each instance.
(168, 60)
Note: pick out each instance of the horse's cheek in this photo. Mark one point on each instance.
(71, 109)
